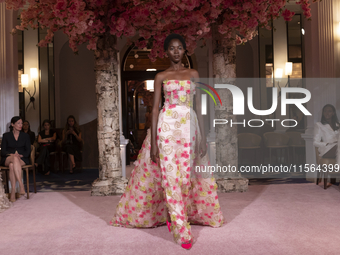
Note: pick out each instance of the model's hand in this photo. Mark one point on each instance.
(74, 133)
(154, 154)
(203, 147)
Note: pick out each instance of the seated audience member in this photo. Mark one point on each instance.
(72, 142)
(15, 153)
(26, 127)
(46, 140)
(326, 133)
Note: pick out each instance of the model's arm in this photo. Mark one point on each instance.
(203, 144)
(154, 119)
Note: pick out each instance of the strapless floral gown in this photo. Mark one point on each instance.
(171, 190)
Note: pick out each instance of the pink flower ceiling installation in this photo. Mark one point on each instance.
(86, 21)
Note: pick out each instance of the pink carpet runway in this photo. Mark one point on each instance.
(268, 219)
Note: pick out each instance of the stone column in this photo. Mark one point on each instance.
(224, 70)
(110, 181)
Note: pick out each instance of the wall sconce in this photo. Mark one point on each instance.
(24, 82)
(150, 85)
(34, 74)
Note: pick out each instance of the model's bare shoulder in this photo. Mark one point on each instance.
(160, 77)
(194, 73)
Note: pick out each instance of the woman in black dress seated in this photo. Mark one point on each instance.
(15, 153)
(46, 140)
(26, 127)
(72, 142)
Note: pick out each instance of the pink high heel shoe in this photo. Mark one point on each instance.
(186, 246)
(169, 225)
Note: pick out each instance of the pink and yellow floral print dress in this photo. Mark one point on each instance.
(172, 189)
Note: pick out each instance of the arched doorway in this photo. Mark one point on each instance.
(136, 70)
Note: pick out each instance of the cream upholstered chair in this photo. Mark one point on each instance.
(321, 161)
(248, 141)
(277, 141)
(26, 168)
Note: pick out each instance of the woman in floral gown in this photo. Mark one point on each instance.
(164, 185)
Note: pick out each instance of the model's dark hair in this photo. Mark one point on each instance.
(13, 121)
(335, 122)
(171, 37)
(45, 121)
(29, 126)
(75, 126)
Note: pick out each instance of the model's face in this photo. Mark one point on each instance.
(47, 126)
(175, 50)
(25, 126)
(70, 122)
(328, 113)
(17, 126)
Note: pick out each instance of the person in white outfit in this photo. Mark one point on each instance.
(326, 132)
